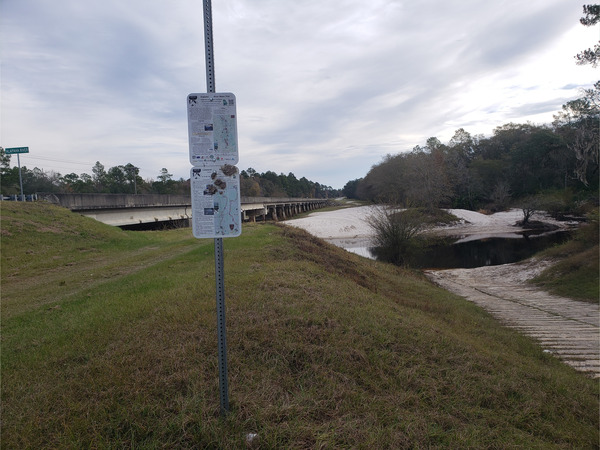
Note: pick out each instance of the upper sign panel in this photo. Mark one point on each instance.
(212, 129)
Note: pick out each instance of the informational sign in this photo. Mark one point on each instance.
(216, 209)
(212, 129)
(10, 151)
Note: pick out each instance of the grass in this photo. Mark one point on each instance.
(437, 217)
(326, 349)
(575, 274)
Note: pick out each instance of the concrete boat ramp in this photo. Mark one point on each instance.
(567, 328)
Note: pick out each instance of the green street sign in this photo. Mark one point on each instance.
(10, 151)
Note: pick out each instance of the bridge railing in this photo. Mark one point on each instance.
(82, 202)
(130, 209)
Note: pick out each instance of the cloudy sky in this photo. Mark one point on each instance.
(325, 88)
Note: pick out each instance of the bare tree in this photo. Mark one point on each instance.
(531, 205)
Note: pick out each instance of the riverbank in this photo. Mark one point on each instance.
(109, 341)
(563, 326)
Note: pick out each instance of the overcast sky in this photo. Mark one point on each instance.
(325, 88)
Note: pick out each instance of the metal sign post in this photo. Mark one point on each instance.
(221, 329)
(214, 181)
(219, 262)
(18, 151)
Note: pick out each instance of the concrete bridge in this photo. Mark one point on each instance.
(130, 209)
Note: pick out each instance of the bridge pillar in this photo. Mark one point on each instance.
(281, 212)
(273, 212)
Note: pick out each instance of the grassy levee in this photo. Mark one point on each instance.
(109, 341)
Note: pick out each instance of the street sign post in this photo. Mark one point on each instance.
(18, 151)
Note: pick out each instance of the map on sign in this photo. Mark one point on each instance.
(212, 129)
(216, 209)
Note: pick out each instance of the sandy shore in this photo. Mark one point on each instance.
(339, 224)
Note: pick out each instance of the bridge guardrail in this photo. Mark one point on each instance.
(82, 202)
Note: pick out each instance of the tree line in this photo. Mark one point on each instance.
(518, 161)
(269, 184)
(125, 179)
(121, 179)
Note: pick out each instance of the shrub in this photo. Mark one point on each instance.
(395, 232)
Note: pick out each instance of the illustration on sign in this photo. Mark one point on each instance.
(216, 201)
(212, 129)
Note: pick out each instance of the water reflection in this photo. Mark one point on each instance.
(460, 252)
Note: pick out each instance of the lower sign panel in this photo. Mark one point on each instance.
(216, 211)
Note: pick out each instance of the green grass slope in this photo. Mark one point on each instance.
(576, 272)
(109, 340)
